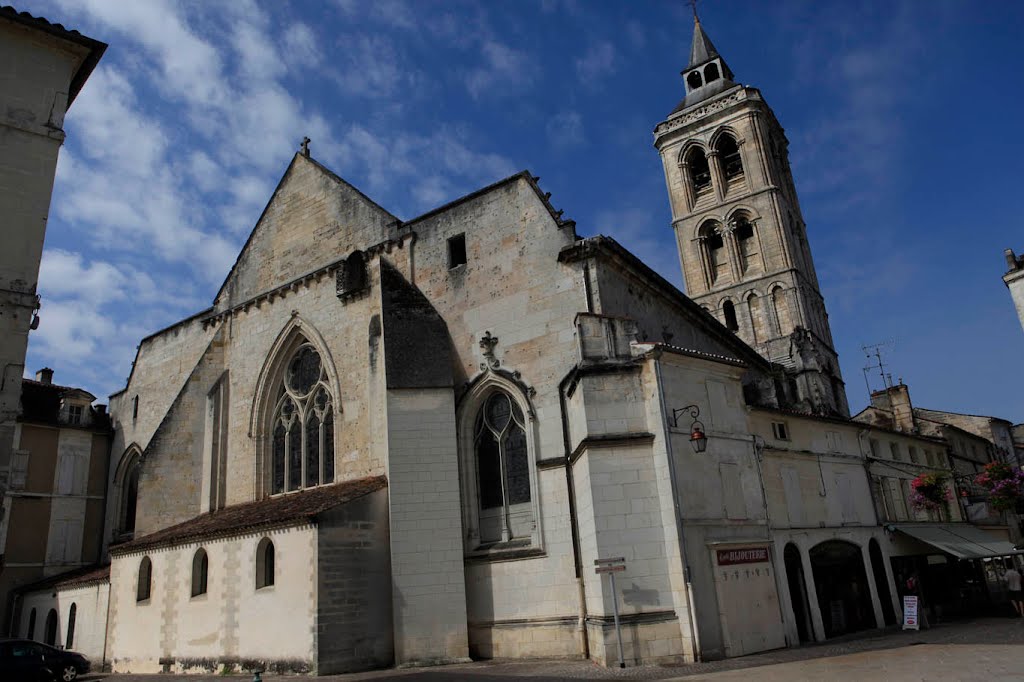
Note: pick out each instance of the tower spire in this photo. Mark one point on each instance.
(702, 50)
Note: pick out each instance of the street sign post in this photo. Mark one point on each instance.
(611, 566)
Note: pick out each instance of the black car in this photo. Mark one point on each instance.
(26, 661)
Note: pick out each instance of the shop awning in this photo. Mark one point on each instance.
(962, 540)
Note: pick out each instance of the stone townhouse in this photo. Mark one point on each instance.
(411, 440)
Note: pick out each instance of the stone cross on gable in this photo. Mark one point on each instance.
(487, 344)
(304, 147)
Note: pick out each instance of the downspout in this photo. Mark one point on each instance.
(577, 556)
(695, 639)
(861, 435)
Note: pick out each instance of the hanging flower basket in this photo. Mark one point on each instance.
(1005, 485)
(930, 492)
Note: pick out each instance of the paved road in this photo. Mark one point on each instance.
(984, 649)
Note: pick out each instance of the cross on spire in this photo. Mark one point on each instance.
(693, 5)
(304, 147)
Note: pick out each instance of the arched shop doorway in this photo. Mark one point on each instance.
(841, 582)
(881, 582)
(798, 592)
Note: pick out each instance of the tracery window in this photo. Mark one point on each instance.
(302, 448)
(503, 470)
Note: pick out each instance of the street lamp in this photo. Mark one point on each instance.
(698, 439)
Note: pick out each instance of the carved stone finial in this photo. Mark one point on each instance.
(487, 344)
(304, 147)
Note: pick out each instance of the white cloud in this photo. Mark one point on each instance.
(300, 44)
(505, 71)
(599, 61)
(565, 129)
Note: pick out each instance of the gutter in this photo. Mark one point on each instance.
(581, 625)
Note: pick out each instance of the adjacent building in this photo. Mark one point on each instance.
(43, 66)
(56, 496)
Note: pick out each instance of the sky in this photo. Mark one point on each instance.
(903, 120)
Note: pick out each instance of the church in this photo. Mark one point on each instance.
(401, 442)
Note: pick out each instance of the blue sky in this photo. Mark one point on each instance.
(903, 120)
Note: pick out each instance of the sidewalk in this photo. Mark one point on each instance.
(993, 646)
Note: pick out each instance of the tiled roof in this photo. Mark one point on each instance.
(75, 578)
(95, 47)
(274, 512)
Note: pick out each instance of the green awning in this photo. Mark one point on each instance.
(962, 540)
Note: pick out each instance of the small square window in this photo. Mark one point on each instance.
(456, 251)
(780, 431)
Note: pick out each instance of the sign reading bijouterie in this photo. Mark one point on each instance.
(745, 555)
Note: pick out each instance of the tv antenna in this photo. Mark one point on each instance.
(875, 362)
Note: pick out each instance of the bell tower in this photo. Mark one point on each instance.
(741, 236)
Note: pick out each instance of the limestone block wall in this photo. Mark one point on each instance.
(312, 219)
(354, 628)
(233, 623)
(428, 588)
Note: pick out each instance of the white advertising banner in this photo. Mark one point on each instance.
(910, 613)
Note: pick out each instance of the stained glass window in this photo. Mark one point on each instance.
(302, 443)
(503, 467)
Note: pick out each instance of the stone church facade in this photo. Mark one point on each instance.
(397, 442)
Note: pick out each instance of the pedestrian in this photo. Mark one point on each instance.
(1012, 577)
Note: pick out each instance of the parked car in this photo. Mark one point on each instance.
(28, 661)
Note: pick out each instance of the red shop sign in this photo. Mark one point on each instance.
(745, 555)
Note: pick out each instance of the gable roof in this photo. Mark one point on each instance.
(281, 511)
(328, 173)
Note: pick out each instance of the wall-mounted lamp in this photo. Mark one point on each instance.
(698, 439)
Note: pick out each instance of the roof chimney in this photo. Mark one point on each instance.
(45, 376)
(902, 410)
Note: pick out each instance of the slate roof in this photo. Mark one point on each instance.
(95, 47)
(274, 512)
(702, 49)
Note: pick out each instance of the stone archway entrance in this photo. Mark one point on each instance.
(798, 593)
(881, 582)
(841, 583)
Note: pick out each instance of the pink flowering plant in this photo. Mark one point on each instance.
(930, 492)
(1005, 485)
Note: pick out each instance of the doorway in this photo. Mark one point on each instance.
(841, 583)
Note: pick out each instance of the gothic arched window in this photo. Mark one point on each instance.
(729, 156)
(757, 321)
(503, 470)
(50, 633)
(302, 432)
(127, 482)
(699, 171)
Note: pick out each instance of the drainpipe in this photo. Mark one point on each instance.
(695, 639)
(573, 519)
